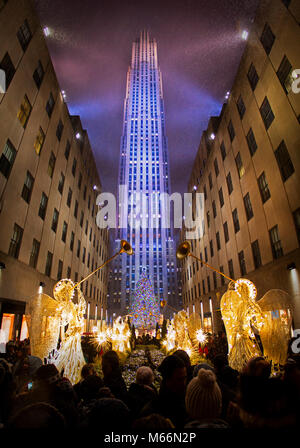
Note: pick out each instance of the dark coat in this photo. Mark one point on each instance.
(117, 385)
(139, 396)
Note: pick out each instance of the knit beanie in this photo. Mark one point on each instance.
(203, 396)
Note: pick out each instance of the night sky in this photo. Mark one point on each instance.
(199, 49)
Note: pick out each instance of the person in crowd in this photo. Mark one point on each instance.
(112, 375)
(10, 353)
(182, 354)
(151, 422)
(49, 387)
(227, 379)
(265, 402)
(7, 391)
(142, 391)
(109, 414)
(259, 367)
(38, 416)
(204, 401)
(170, 401)
(87, 370)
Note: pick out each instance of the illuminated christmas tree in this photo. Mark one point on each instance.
(145, 308)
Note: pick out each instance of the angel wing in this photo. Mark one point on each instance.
(277, 308)
(43, 323)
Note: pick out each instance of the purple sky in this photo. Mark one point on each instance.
(199, 49)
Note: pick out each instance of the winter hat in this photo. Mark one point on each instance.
(203, 396)
(203, 365)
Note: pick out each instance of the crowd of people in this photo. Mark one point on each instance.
(207, 395)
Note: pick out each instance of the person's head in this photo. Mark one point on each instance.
(182, 354)
(90, 387)
(259, 367)
(110, 362)
(203, 398)
(174, 374)
(47, 374)
(108, 411)
(87, 369)
(144, 376)
(264, 402)
(202, 365)
(153, 421)
(220, 361)
(10, 347)
(38, 415)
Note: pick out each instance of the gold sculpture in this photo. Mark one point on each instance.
(269, 318)
(48, 319)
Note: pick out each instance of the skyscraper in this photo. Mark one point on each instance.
(144, 168)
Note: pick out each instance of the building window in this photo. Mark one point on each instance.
(34, 253)
(221, 197)
(61, 183)
(64, 232)
(9, 69)
(241, 107)
(72, 241)
(79, 181)
(43, 206)
(214, 208)
(236, 222)
(203, 287)
(229, 183)
(50, 105)
(205, 192)
(251, 142)
(242, 263)
(231, 131)
(78, 248)
(74, 167)
(69, 272)
(7, 159)
(51, 164)
(230, 268)
(208, 283)
(263, 187)
(256, 254)
(69, 198)
(83, 255)
(67, 150)
(226, 233)
(38, 75)
(222, 278)
(239, 165)
(267, 38)
(284, 162)
(39, 141)
(284, 74)
(208, 219)
(48, 264)
(296, 215)
(205, 255)
(218, 240)
(266, 113)
(252, 77)
(216, 167)
(27, 188)
(211, 248)
(248, 207)
(223, 151)
(24, 35)
(81, 219)
(24, 111)
(275, 242)
(59, 130)
(60, 269)
(15, 242)
(54, 220)
(76, 209)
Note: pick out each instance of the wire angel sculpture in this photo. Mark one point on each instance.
(48, 319)
(269, 318)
